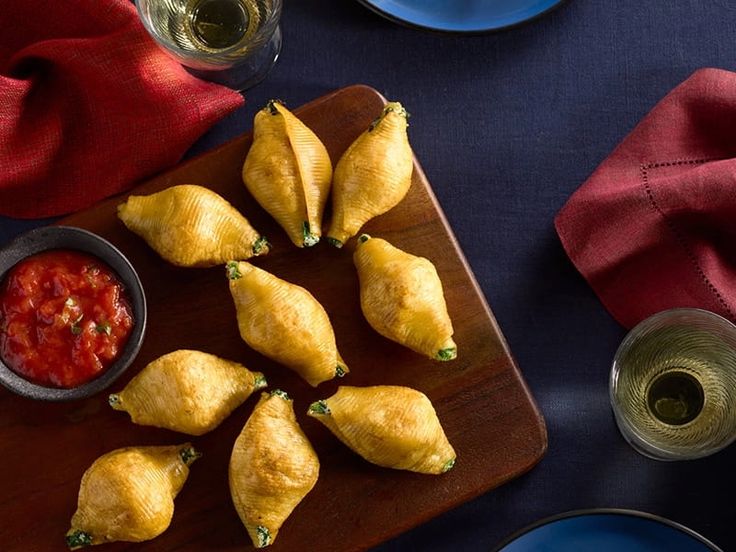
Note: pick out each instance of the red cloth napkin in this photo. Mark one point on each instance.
(654, 227)
(89, 104)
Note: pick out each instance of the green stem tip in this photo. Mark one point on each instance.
(271, 106)
(448, 465)
(232, 270)
(363, 238)
(78, 539)
(114, 401)
(319, 408)
(264, 536)
(390, 108)
(259, 382)
(281, 394)
(446, 354)
(261, 245)
(189, 455)
(334, 242)
(308, 238)
(340, 371)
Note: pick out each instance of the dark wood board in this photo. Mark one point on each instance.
(482, 401)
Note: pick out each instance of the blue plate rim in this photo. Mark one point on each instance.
(442, 30)
(606, 511)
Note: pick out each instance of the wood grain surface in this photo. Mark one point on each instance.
(482, 401)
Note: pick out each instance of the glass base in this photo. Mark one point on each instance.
(248, 73)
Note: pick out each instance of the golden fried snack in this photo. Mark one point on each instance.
(402, 299)
(288, 171)
(128, 494)
(391, 426)
(187, 391)
(284, 322)
(191, 225)
(372, 176)
(272, 468)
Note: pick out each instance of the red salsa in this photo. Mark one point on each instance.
(64, 318)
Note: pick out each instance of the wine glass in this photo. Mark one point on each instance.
(673, 385)
(231, 42)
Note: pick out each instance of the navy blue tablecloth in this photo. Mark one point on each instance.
(506, 127)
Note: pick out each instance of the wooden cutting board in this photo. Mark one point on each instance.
(482, 401)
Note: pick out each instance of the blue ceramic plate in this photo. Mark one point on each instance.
(461, 16)
(607, 531)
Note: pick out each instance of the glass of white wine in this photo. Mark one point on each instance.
(673, 385)
(232, 42)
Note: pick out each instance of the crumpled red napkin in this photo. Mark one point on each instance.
(89, 105)
(654, 227)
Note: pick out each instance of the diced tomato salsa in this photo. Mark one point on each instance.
(64, 318)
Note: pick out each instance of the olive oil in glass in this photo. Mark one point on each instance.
(673, 385)
(217, 36)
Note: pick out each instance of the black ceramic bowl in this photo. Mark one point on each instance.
(69, 237)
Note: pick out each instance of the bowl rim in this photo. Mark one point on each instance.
(390, 14)
(585, 512)
(59, 237)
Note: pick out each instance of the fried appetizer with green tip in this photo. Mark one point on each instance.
(272, 468)
(192, 226)
(284, 322)
(187, 391)
(128, 494)
(391, 426)
(288, 171)
(402, 299)
(372, 176)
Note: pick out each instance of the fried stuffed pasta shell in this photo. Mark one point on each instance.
(187, 391)
(192, 226)
(288, 171)
(372, 176)
(284, 322)
(391, 426)
(128, 494)
(401, 297)
(272, 468)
